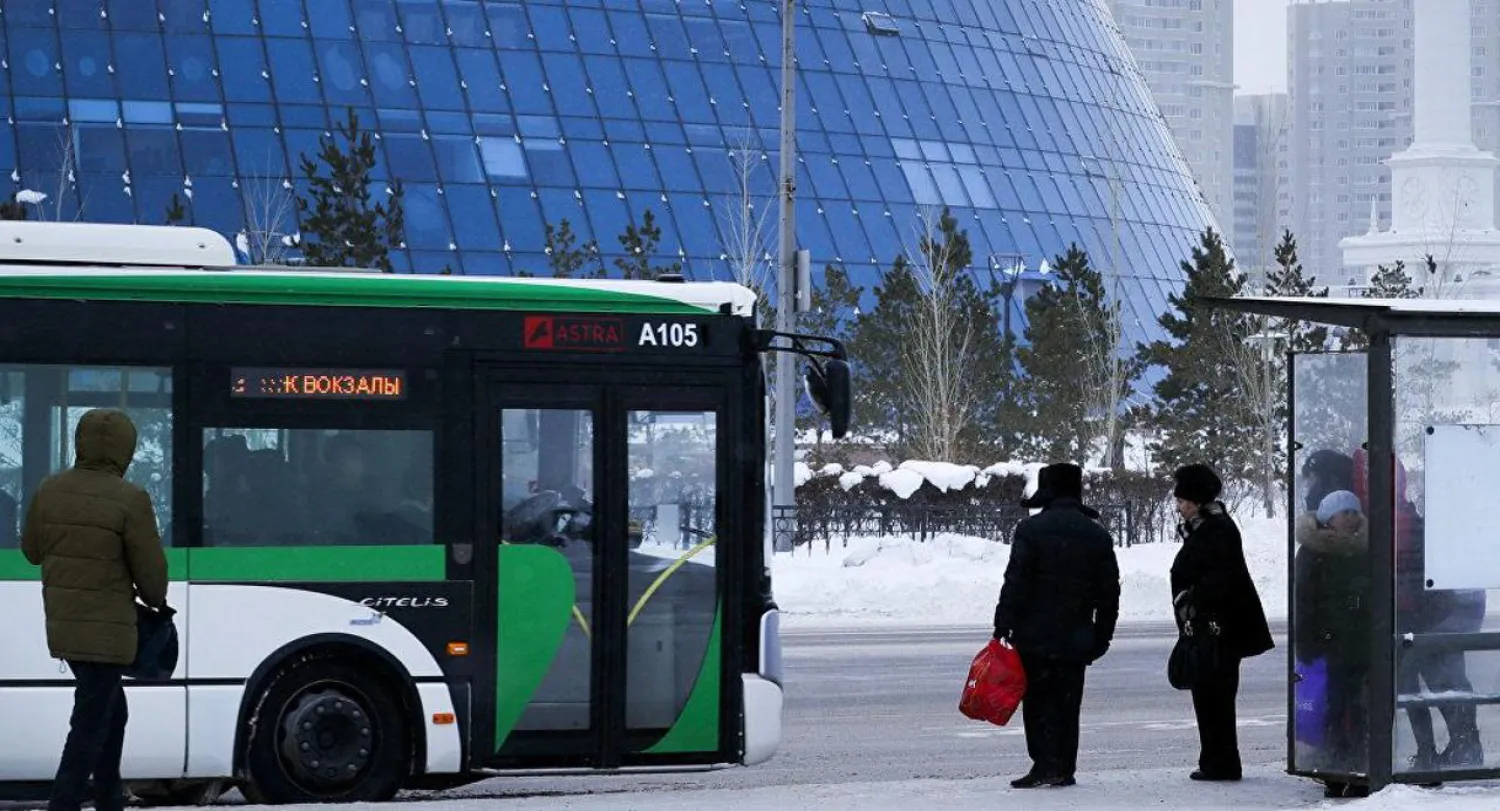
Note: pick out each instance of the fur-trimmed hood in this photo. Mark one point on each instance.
(1330, 541)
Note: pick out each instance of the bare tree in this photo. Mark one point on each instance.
(938, 355)
(270, 231)
(61, 182)
(745, 218)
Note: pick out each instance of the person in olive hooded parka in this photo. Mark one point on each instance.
(1058, 607)
(1211, 584)
(95, 537)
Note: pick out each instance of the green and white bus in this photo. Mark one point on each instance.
(420, 530)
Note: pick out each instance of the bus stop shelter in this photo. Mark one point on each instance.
(1390, 636)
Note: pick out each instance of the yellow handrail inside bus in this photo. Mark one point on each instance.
(661, 578)
(583, 623)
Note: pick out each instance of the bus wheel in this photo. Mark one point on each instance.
(326, 731)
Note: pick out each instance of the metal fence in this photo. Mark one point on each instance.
(807, 527)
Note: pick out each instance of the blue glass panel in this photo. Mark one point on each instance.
(100, 148)
(107, 201)
(341, 70)
(72, 15)
(259, 153)
(437, 79)
(86, 60)
(232, 16)
(34, 54)
(333, 19)
(376, 20)
(153, 151)
(596, 168)
(390, 75)
(467, 23)
(523, 77)
(131, 15)
(243, 65)
(522, 219)
(422, 23)
(474, 223)
(630, 34)
(426, 218)
(192, 62)
(481, 76)
(206, 152)
(282, 18)
(550, 26)
(215, 204)
(292, 71)
(508, 25)
(568, 83)
(413, 155)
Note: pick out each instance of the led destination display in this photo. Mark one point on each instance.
(317, 384)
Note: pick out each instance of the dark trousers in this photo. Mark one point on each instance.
(96, 740)
(1441, 671)
(1213, 704)
(1054, 697)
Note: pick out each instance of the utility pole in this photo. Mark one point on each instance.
(784, 489)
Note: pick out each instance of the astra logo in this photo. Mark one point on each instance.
(404, 602)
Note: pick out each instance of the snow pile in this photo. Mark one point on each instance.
(909, 477)
(955, 580)
(1410, 798)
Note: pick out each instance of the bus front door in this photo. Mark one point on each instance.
(602, 506)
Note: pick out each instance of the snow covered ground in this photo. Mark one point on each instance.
(1263, 789)
(955, 580)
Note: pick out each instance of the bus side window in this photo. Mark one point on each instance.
(311, 487)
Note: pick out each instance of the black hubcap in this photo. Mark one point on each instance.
(328, 738)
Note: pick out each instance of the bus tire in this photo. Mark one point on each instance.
(324, 730)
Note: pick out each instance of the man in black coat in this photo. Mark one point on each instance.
(1058, 607)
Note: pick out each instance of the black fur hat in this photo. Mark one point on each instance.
(1198, 484)
(1062, 480)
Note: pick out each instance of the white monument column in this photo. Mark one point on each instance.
(1442, 68)
(1443, 188)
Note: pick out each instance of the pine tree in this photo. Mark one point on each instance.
(1200, 407)
(340, 226)
(1386, 283)
(12, 209)
(1064, 364)
(564, 256)
(1289, 281)
(176, 212)
(639, 244)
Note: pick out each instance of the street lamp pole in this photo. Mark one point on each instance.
(784, 488)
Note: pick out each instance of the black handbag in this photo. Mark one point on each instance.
(156, 647)
(1196, 653)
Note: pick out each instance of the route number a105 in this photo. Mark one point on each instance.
(675, 335)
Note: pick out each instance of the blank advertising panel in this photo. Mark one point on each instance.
(1462, 481)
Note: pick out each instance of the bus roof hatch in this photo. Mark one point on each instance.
(109, 245)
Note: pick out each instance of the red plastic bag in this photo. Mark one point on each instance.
(996, 684)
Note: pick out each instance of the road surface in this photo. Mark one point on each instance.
(882, 705)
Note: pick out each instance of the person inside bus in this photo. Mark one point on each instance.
(411, 519)
(344, 495)
(8, 517)
(227, 515)
(95, 536)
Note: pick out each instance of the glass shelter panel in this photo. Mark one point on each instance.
(673, 465)
(1330, 566)
(1447, 556)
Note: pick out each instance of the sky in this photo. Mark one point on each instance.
(1260, 45)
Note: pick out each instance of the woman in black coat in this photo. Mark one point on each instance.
(1211, 583)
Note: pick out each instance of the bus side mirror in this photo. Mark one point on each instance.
(828, 387)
